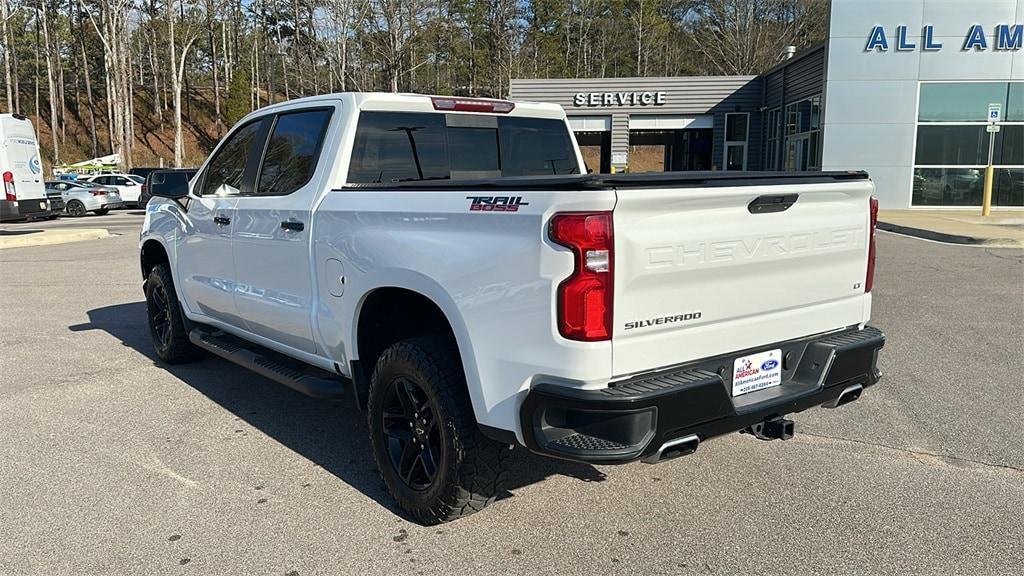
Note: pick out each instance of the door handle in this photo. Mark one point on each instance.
(292, 226)
(221, 220)
(772, 203)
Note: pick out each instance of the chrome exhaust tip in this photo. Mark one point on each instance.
(675, 448)
(848, 395)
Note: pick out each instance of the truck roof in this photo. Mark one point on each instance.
(410, 102)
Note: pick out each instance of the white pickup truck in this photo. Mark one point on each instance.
(449, 264)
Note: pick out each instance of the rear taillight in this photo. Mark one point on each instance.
(869, 278)
(585, 297)
(472, 105)
(9, 187)
(99, 192)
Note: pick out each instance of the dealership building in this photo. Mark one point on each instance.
(916, 92)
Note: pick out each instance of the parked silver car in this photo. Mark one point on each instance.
(82, 197)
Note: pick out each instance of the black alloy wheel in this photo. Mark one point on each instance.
(159, 316)
(76, 209)
(166, 322)
(412, 434)
(425, 439)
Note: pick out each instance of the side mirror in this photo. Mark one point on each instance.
(172, 190)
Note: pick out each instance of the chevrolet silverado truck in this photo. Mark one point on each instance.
(450, 265)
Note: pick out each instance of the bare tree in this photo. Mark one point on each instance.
(186, 54)
(502, 37)
(189, 34)
(51, 84)
(392, 24)
(748, 36)
(13, 98)
(113, 31)
(212, 10)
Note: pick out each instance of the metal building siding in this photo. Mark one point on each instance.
(806, 77)
(792, 80)
(620, 133)
(746, 99)
(774, 84)
(686, 95)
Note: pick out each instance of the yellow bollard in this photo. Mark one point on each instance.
(986, 199)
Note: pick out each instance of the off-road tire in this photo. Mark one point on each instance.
(175, 348)
(472, 468)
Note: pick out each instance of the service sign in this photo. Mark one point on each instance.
(609, 99)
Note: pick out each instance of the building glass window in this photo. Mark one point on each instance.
(736, 128)
(959, 102)
(772, 142)
(803, 135)
(953, 144)
(1015, 103)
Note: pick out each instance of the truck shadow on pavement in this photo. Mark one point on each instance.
(331, 434)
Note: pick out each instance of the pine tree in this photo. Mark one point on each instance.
(237, 104)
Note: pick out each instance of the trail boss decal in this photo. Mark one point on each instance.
(662, 320)
(495, 203)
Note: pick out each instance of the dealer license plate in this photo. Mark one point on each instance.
(756, 372)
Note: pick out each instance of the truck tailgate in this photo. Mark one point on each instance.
(702, 270)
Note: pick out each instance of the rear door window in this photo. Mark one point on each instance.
(536, 146)
(410, 146)
(292, 152)
(399, 147)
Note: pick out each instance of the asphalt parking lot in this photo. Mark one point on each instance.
(114, 464)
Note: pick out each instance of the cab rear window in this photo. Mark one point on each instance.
(412, 146)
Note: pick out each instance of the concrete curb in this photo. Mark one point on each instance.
(948, 238)
(48, 237)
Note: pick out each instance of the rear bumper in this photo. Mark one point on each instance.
(634, 418)
(22, 209)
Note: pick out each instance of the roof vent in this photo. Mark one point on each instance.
(789, 52)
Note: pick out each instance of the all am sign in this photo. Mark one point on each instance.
(1005, 37)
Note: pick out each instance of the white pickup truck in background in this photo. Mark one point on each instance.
(449, 263)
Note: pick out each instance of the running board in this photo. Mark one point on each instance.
(296, 375)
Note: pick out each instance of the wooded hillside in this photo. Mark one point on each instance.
(164, 79)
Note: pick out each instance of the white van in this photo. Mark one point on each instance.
(24, 194)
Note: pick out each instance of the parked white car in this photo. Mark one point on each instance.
(129, 186)
(447, 262)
